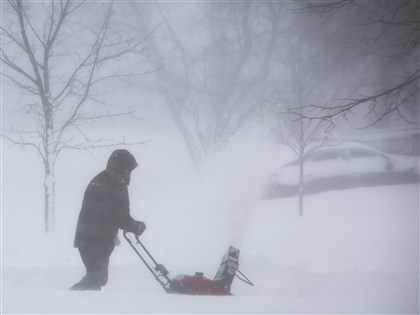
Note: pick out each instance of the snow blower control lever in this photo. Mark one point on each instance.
(186, 284)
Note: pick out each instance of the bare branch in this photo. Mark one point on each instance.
(12, 36)
(396, 27)
(100, 143)
(325, 7)
(31, 89)
(22, 143)
(343, 109)
(5, 59)
(124, 75)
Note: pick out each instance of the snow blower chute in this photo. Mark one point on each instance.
(196, 284)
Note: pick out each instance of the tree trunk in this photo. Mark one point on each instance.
(49, 195)
(301, 187)
(187, 135)
(49, 181)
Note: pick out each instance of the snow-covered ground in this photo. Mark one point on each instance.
(353, 251)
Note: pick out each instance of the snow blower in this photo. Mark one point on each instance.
(196, 284)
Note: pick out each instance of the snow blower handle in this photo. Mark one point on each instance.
(159, 271)
(158, 267)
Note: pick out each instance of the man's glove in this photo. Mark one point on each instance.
(140, 228)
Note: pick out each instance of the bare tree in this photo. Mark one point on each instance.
(305, 70)
(61, 75)
(391, 30)
(209, 87)
(304, 137)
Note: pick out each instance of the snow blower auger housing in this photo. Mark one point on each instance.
(196, 284)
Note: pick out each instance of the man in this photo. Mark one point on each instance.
(105, 209)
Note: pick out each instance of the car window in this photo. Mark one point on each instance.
(326, 156)
(360, 153)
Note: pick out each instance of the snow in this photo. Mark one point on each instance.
(353, 251)
(129, 302)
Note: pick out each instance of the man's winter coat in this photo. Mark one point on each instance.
(106, 207)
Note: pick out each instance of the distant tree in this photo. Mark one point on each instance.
(305, 73)
(303, 137)
(391, 31)
(209, 86)
(61, 74)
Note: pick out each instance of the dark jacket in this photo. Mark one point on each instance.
(105, 209)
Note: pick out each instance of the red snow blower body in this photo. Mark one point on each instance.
(196, 284)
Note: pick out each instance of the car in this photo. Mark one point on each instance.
(343, 166)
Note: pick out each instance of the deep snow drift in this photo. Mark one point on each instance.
(354, 251)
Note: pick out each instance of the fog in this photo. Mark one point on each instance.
(228, 108)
